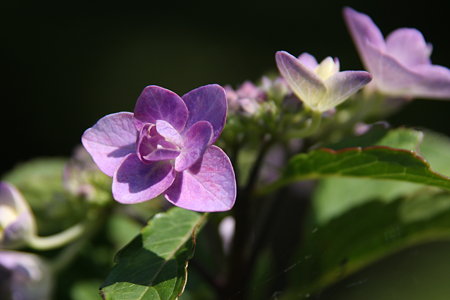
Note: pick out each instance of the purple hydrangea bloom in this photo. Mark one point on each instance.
(165, 147)
(24, 276)
(401, 64)
(321, 87)
(16, 219)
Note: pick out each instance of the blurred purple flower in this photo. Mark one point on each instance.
(77, 172)
(83, 178)
(321, 87)
(277, 86)
(246, 98)
(166, 147)
(16, 219)
(23, 276)
(401, 64)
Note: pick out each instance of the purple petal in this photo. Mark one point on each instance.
(9, 195)
(308, 60)
(110, 140)
(302, 80)
(363, 32)
(168, 132)
(162, 154)
(344, 84)
(391, 77)
(24, 276)
(196, 139)
(135, 181)
(207, 103)
(157, 103)
(435, 82)
(147, 142)
(209, 185)
(15, 217)
(408, 46)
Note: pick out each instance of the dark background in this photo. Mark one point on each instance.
(66, 65)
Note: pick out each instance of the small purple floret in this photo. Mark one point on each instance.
(400, 64)
(165, 147)
(24, 276)
(16, 219)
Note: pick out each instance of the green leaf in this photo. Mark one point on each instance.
(380, 161)
(435, 148)
(367, 233)
(373, 162)
(41, 183)
(335, 195)
(379, 135)
(358, 221)
(154, 264)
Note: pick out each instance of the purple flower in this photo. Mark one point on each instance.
(401, 64)
(165, 146)
(321, 87)
(16, 220)
(23, 276)
(247, 98)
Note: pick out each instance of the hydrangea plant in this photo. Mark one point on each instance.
(299, 169)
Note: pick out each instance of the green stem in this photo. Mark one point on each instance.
(57, 240)
(66, 256)
(238, 259)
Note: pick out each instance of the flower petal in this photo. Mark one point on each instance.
(327, 68)
(304, 83)
(408, 46)
(364, 32)
(24, 276)
(168, 132)
(135, 181)
(16, 219)
(391, 77)
(207, 103)
(162, 154)
(157, 103)
(110, 140)
(435, 82)
(209, 185)
(308, 60)
(196, 139)
(342, 85)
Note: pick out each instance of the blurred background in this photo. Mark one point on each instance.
(67, 65)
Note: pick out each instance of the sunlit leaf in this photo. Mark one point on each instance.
(153, 265)
(335, 195)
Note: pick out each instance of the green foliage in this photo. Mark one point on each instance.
(355, 222)
(433, 147)
(368, 233)
(377, 161)
(41, 183)
(153, 265)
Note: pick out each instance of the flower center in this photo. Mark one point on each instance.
(152, 146)
(326, 68)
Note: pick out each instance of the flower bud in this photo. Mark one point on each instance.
(23, 276)
(83, 179)
(16, 219)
